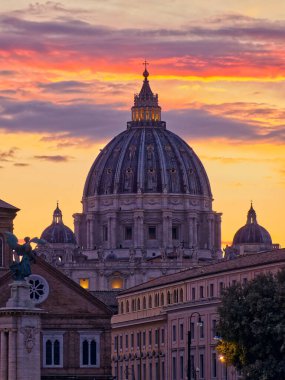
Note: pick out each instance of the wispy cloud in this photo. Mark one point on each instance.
(21, 164)
(8, 155)
(55, 159)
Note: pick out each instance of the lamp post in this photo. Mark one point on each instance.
(189, 343)
(223, 360)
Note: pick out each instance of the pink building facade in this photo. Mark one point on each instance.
(150, 334)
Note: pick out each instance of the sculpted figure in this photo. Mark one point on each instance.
(22, 269)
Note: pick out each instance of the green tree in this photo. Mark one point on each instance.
(252, 327)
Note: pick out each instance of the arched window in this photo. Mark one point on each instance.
(127, 307)
(138, 304)
(133, 305)
(89, 350)
(144, 303)
(52, 350)
(162, 299)
(175, 296)
(150, 302)
(168, 298)
(122, 307)
(156, 300)
(181, 295)
(1, 251)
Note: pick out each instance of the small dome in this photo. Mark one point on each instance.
(252, 232)
(57, 232)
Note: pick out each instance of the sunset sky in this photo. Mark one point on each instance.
(68, 73)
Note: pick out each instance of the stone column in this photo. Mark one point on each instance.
(12, 358)
(4, 355)
(219, 232)
(138, 229)
(113, 231)
(210, 231)
(167, 229)
(77, 220)
(192, 229)
(90, 231)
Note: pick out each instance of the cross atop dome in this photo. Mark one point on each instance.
(146, 111)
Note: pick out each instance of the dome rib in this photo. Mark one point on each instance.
(141, 162)
(162, 162)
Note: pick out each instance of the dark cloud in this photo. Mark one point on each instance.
(93, 122)
(21, 164)
(7, 72)
(56, 158)
(226, 42)
(64, 87)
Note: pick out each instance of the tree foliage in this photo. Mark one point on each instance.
(252, 327)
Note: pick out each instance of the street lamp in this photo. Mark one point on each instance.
(189, 343)
(223, 360)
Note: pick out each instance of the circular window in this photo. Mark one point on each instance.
(39, 288)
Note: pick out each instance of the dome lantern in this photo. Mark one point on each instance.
(146, 111)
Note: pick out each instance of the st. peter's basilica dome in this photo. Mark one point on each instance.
(147, 157)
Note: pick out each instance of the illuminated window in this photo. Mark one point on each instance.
(84, 282)
(117, 283)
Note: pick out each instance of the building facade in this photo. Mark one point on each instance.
(150, 334)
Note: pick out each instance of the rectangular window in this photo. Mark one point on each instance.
(150, 337)
(128, 233)
(162, 336)
(144, 371)
(181, 370)
(181, 329)
(193, 294)
(244, 281)
(84, 283)
(175, 234)
(214, 328)
(234, 282)
(90, 349)
(156, 370)
(116, 343)
(211, 290)
(139, 371)
(202, 370)
(163, 370)
(152, 233)
(156, 336)
(127, 341)
(150, 371)
(144, 338)
(221, 287)
(53, 350)
(174, 333)
(138, 339)
(193, 369)
(201, 291)
(214, 364)
(174, 369)
(132, 340)
(121, 342)
(105, 233)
